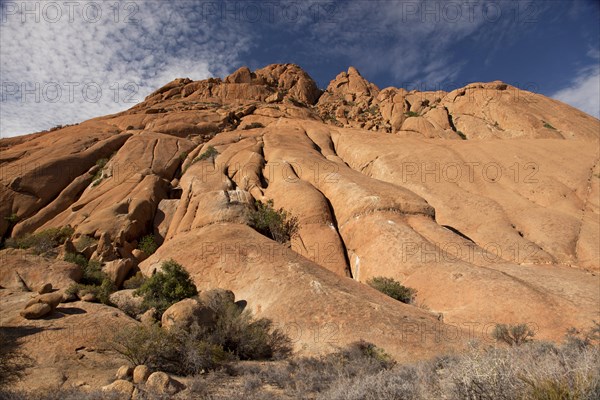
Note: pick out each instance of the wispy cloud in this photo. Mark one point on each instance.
(70, 61)
(584, 91)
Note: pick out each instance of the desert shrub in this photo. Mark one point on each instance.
(59, 394)
(148, 244)
(135, 281)
(98, 176)
(12, 218)
(513, 335)
(318, 374)
(237, 332)
(102, 291)
(254, 125)
(279, 225)
(92, 269)
(210, 152)
(84, 241)
(167, 287)
(547, 125)
(411, 114)
(462, 135)
(43, 241)
(93, 280)
(393, 288)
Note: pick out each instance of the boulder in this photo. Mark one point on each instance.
(35, 311)
(186, 313)
(51, 299)
(44, 288)
(120, 386)
(140, 374)
(117, 270)
(215, 298)
(124, 372)
(149, 317)
(162, 383)
(126, 301)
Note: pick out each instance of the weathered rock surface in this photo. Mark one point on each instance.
(187, 313)
(485, 199)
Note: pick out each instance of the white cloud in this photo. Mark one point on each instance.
(584, 92)
(61, 59)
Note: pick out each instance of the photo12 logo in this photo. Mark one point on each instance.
(69, 11)
(68, 92)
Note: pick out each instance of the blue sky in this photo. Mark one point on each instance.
(64, 62)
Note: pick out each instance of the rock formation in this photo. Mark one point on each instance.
(485, 199)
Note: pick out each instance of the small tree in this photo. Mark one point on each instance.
(513, 335)
(279, 225)
(393, 288)
(167, 287)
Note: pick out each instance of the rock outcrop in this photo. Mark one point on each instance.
(485, 199)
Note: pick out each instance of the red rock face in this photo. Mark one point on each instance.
(499, 228)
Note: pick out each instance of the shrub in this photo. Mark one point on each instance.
(279, 225)
(135, 281)
(462, 135)
(411, 114)
(102, 291)
(393, 288)
(43, 241)
(548, 126)
(12, 218)
(254, 125)
(92, 270)
(167, 287)
(148, 244)
(238, 333)
(513, 335)
(210, 152)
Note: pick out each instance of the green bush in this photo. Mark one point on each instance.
(411, 114)
(210, 152)
(148, 244)
(102, 291)
(513, 335)
(167, 287)
(175, 350)
(548, 126)
(279, 225)
(94, 280)
(43, 241)
(135, 281)
(393, 288)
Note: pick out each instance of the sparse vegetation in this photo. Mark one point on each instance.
(513, 335)
(183, 155)
(210, 152)
(94, 281)
(462, 135)
(548, 126)
(43, 241)
(12, 219)
(167, 287)
(148, 244)
(411, 114)
(279, 225)
(189, 351)
(135, 281)
(254, 125)
(393, 288)
(98, 176)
